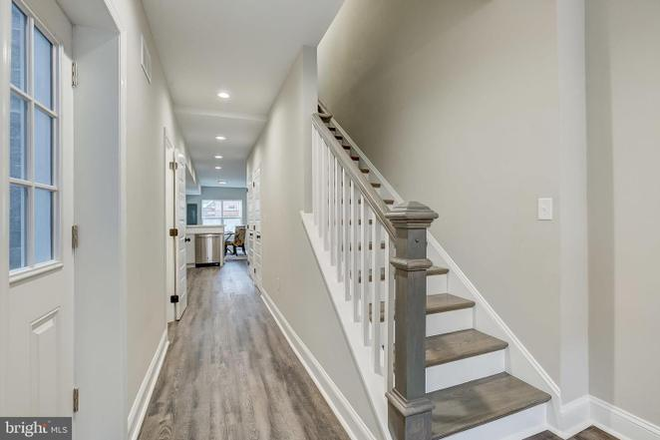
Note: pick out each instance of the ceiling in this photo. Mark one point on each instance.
(243, 47)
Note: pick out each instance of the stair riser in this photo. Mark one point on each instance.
(438, 284)
(451, 374)
(447, 322)
(514, 427)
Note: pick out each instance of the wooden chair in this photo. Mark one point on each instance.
(238, 240)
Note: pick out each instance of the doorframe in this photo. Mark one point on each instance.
(169, 152)
(5, 44)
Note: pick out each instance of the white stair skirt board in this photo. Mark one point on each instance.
(517, 426)
(373, 383)
(439, 377)
(339, 404)
(143, 397)
(448, 322)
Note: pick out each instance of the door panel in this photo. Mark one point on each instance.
(181, 222)
(39, 319)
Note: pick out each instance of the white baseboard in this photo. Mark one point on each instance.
(141, 402)
(621, 423)
(342, 408)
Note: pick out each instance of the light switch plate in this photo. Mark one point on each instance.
(545, 211)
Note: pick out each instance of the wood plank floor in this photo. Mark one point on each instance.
(230, 373)
(592, 433)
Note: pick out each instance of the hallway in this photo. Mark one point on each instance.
(230, 373)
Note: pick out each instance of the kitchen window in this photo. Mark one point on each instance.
(222, 212)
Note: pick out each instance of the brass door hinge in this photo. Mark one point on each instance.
(76, 400)
(174, 232)
(174, 165)
(74, 237)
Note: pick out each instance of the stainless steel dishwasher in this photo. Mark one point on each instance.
(208, 249)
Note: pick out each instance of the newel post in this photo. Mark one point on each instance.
(409, 410)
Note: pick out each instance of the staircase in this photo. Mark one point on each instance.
(442, 377)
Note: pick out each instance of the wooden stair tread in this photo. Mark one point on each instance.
(436, 270)
(446, 302)
(481, 401)
(364, 170)
(375, 184)
(388, 201)
(450, 347)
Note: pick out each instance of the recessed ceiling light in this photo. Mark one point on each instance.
(218, 168)
(222, 182)
(221, 138)
(223, 95)
(218, 157)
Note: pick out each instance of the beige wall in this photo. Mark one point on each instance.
(291, 276)
(456, 102)
(624, 113)
(149, 110)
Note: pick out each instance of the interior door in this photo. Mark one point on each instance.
(38, 331)
(181, 223)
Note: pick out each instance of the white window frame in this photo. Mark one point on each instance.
(28, 95)
(222, 209)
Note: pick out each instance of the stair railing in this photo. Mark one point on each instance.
(366, 240)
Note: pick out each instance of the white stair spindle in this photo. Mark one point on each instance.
(376, 289)
(355, 254)
(364, 269)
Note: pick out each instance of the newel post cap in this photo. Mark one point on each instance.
(411, 215)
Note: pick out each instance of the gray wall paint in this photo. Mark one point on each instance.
(215, 193)
(456, 102)
(623, 46)
(291, 275)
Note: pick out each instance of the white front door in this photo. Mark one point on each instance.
(180, 222)
(38, 143)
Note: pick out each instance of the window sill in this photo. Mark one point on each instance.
(34, 271)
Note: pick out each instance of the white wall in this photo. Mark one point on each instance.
(624, 109)
(291, 276)
(149, 109)
(217, 193)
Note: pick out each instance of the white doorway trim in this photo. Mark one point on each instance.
(169, 152)
(5, 42)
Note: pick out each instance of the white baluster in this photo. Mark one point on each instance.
(376, 288)
(346, 229)
(333, 210)
(315, 176)
(355, 254)
(337, 227)
(324, 194)
(364, 269)
(389, 314)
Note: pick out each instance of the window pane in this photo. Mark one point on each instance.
(231, 223)
(43, 147)
(18, 138)
(18, 46)
(43, 69)
(43, 225)
(211, 210)
(232, 209)
(17, 227)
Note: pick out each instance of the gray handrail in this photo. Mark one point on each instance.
(369, 193)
